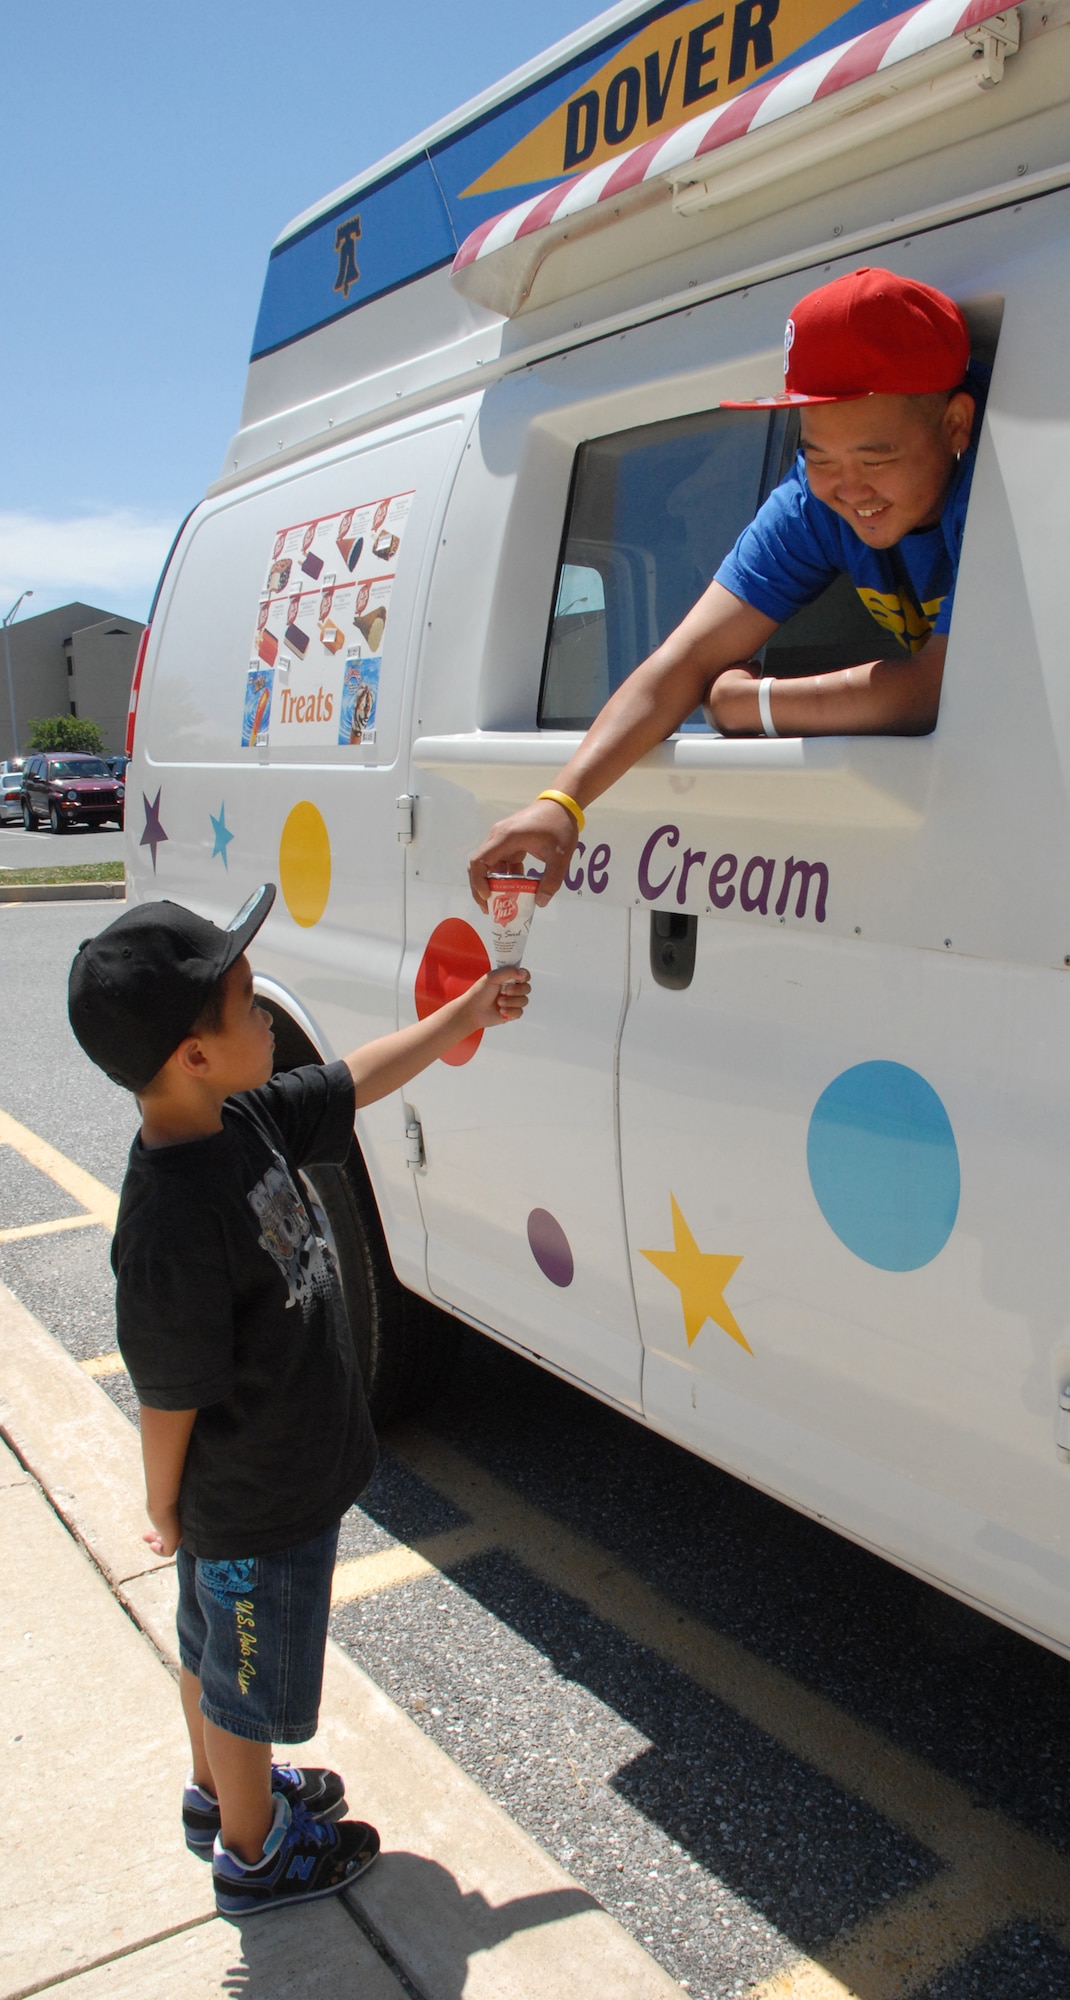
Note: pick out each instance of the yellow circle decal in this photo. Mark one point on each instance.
(305, 863)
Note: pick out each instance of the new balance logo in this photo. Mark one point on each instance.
(300, 1867)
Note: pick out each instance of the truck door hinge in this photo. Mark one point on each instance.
(414, 1143)
(405, 806)
(1062, 1426)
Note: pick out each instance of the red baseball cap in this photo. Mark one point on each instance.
(870, 333)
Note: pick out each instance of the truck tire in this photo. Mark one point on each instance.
(406, 1347)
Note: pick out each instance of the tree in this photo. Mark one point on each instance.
(66, 732)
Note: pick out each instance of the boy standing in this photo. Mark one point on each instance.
(255, 1433)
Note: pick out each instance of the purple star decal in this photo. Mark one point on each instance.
(154, 832)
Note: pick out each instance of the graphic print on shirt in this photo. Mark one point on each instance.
(288, 1236)
(897, 615)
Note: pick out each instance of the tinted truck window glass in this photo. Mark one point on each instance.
(652, 513)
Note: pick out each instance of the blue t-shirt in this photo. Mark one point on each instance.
(796, 546)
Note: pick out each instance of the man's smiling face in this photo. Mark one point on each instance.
(884, 462)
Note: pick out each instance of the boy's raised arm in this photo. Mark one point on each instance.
(382, 1066)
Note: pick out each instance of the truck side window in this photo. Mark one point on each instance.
(651, 515)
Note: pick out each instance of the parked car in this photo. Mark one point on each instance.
(10, 796)
(117, 765)
(70, 790)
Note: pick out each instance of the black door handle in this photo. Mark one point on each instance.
(672, 948)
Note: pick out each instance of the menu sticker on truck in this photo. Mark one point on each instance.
(256, 713)
(360, 697)
(321, 623)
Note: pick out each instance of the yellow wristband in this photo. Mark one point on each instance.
(562, 799)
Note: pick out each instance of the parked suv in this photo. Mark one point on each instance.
(70, 790)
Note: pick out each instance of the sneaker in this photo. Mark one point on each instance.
(321, 1794)
(303, 1858)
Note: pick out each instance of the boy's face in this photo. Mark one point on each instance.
(244, 1046)
(884, 462)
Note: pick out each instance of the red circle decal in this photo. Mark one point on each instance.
(454, 959)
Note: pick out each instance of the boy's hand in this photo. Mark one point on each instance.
(165, 1534)
(499, 996)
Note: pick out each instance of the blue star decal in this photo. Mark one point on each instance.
(223, 835)
(154, 833)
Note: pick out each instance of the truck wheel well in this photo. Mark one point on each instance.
(292, 1045)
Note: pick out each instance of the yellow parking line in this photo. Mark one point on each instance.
(50, 1228)
(802, 1981)
(365, 1576)
(101, 1202)
(98, 1365)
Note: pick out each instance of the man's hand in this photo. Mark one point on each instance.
(165, 1534)
(544, 829)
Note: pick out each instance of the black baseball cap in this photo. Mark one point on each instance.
(136, 989)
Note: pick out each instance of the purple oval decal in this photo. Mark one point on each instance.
(550, 1247)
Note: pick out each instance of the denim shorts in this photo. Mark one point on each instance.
(253, 1630)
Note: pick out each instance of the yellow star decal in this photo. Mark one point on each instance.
(701, 1277)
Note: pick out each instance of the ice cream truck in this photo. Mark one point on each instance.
(777, 1162)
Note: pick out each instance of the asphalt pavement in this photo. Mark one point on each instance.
(785, 1767)
(45, 849)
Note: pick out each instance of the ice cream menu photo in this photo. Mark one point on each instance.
(313, 674)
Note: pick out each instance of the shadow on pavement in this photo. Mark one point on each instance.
(406, 1895)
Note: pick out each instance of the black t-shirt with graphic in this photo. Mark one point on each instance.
(228, 1303)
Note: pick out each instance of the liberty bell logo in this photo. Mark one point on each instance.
(345, 244)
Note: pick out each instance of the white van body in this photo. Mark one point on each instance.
(802, 1205)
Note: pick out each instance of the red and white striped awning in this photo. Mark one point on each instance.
(487, 265)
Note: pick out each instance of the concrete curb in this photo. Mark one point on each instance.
(464, 1901)
(83, 1694)
(61, 892)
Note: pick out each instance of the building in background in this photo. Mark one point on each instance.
(77, 660)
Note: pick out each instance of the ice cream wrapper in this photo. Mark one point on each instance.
(511, 905)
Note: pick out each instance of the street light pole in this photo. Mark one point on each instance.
(10, 682)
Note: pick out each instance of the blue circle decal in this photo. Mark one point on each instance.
(884, 1165)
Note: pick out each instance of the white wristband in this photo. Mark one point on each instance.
(765, 707)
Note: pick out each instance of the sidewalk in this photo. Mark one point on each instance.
(102, 1898)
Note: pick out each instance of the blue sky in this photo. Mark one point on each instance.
(150, 155)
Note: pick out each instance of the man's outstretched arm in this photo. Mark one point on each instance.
(707, 660)
(719, 630)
